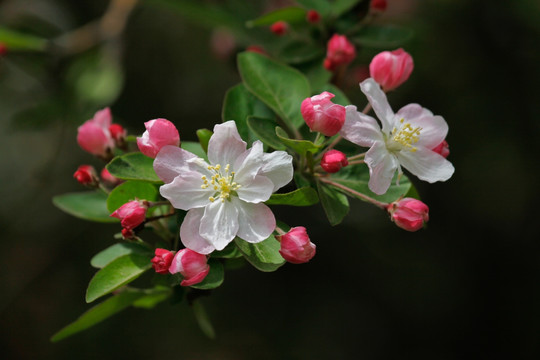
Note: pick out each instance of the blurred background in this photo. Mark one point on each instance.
(466, 287)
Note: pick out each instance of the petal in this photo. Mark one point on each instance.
(189, 233)
(219, 223)
(382, 167)
(248, 164)
(257, 222)
(278, 168)
(360, 129)
(258, 190)
(103, 118)
(225, 144)
(185, 191)
(171, 162)
(426, 164)
(434, 128)
(378, 101)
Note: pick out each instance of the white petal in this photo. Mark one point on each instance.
(248, 164)
(225, 144)
(360, 129)
(219, 223)
(185, 191)
(171, 161)
(257, 222)
(378, 101)
(413, 111)
(257, 190)
(426, 164)
(434, 128)
(278, 168)
(189, 233)
(382, 167)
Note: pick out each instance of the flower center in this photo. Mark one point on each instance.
(222, 182)
(404, 137)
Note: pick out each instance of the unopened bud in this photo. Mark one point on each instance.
(443, 149)
(108, 178)
(3, 49)
(86, 175)
(409, 214)
(333, 160)
(256, 49)
(159, 132)
(131, 214)
(128, 233)
(339, 52)
(296, 247)
(118, 133)
(94, 136)
(391, 68)
(192, 265)
(312, 16)
(279, 28)
(162, 261)
(322, 115)
(378, 5)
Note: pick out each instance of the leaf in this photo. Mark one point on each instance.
(195, 148)
(317, 75)
(214, 278)
(202, 319)
(334, 203)
(264, 129)
(115, 251)
(117, 273)
(279, 86)
(204, 136)
(323, 7)
(230, 252)
(382, 36)
(131, 190)
(305, 196)
(88, 205)
(133, 166)
(301, 52)
(98, 313)
(340, 97)
(341, 6)
(15, 40)
(291, 15)
(299, 146)
(153, 297)
(264, 256)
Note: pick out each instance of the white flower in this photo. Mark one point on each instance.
(224, 198)
(406, 139)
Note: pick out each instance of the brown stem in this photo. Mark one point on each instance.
(355, 193)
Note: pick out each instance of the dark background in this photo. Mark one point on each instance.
(466, 287)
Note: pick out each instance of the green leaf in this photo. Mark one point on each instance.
(305, 196)
(301, 52)
(291, 15)
(204, 136)
(15, 40)
(382, 36)
(195, 148)
(131, 190)
(202, 319)
(115, 251)
(342, 6)
(299, 146)
(264, 129)
(98, 313)
(317, 75)
(133, 166)
(117, 273)
(264, 256)
(322, 6)
(88, 205)
(340, 97)
(153, 297)
(214, 278)
(230, 252)
(279, 86)
(334, 203)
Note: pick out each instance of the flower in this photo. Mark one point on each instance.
(322, 115)
(406, 139)
(162, 261)
(131, 214)
(118, 133)
(391, 68)
(224, 198)
(159, 132)
(339, 51)
(279, 28)
(86, 175)
(191, 265)
(333, 160)
(442, 149)
(94, 135)
(313, 16)
(409, 214)
(296, 247)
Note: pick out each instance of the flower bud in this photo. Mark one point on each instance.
(322, 115)
(94, 136)
(159, 132)
(191, 265)
(162, 261)
(408, 213)
(333, 160)
(296, 247)
(118, 133)
(86, 175)
(3, 49)
(131, 214)
(256, 49)
(108, 178)
(312, 16)
(391, 68)
(279, 28)
(443, 149)
(339, 51)
(128, 233)
(378, 5)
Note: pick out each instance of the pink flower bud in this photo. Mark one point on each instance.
(159, 132)
(3, 49)
(86, 175)
(222, 43)
(191, 265)
(279, 28)
(108, 178)
(333, 160)
(339, 51)
(443, 149)
(391, 68)
(378, 5)
(162, 261)
(322, 115)
(313, 16)
(408, 213)
(131, 214)
(94, 136)
(296, 247)
(118, 133)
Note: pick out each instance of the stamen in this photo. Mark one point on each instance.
(221, 182)
(406, 136)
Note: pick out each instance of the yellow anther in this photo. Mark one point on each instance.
(406, 136)
(212, 199)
